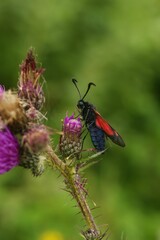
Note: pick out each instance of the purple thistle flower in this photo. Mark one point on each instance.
(9, 150)
(70, 141)
(72, 126)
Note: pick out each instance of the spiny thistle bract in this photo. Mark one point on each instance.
(35, 162)
(29, 88)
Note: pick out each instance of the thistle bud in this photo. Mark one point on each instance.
(36, 139)
(34, 143)
(70, 141)
(30, 89)
(9, 150)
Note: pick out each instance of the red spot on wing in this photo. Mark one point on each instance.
(110, 132)
(101, 123)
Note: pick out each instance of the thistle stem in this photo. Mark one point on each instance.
(75, 185)
(57, 162)
(80, 196)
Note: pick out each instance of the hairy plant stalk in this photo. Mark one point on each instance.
(57, 162)
(74, 181)
(75, 187)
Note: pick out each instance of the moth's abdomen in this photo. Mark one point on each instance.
(97, 137)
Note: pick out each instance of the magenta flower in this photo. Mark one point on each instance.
(9, 151)
(70, 141)
(72, 126)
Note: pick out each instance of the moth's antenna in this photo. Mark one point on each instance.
(75, 83)
(89, 86)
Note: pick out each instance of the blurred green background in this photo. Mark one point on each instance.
(116, 45)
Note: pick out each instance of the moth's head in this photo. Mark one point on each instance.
(81, 104)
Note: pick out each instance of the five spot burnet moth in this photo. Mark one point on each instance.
(97, 126)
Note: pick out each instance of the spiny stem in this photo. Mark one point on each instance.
(75, 184)
(58, 163)
(79, 194)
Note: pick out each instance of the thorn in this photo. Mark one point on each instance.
(94, 208)
(94, 203)
(75, 206)
(98, 216)
(108, 236)
(78, 214)
(104, 234)
(66, 190)
(59, 175)
(72, 198)
(123, 237)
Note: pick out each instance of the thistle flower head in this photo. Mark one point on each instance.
(11, 111)
(9, 150)
(72, 126)
(70, 141)
(30, 89)
(36, 138)
(34, 143)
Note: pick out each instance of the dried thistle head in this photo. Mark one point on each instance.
(11, 111)
(70, 141)
(29, 87)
